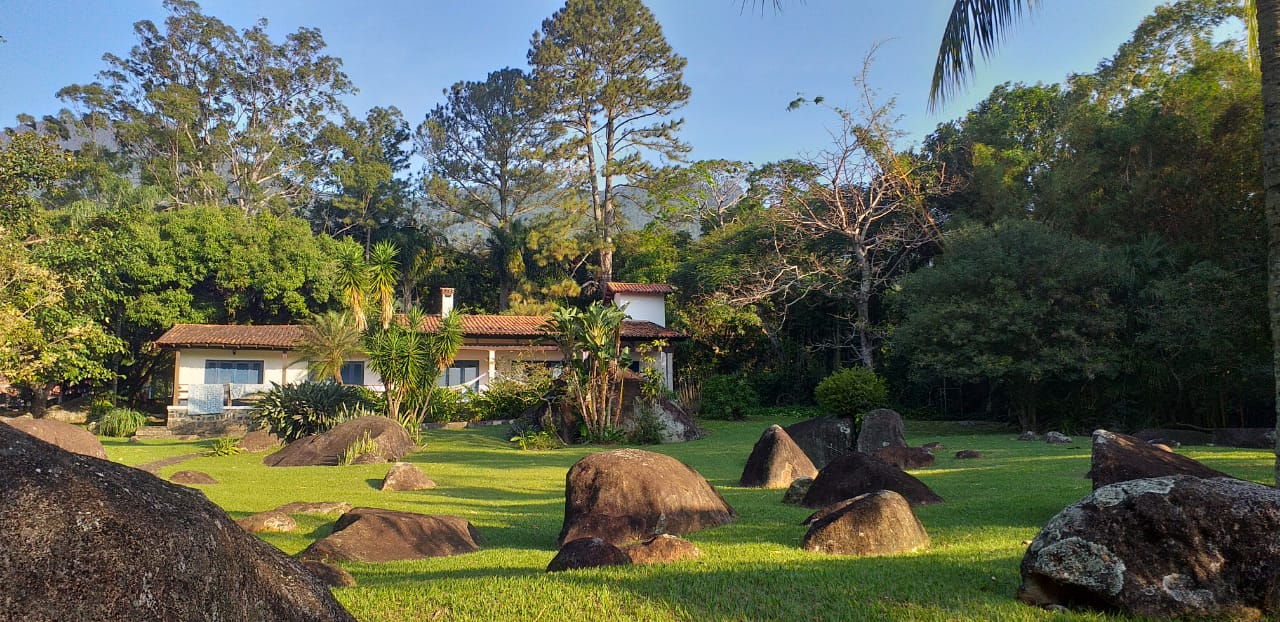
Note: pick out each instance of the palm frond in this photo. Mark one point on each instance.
(973, 25)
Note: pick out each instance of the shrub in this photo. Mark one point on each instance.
(223, 447)
(539, 440)
(100, 405)
(851, 392)
(293, 411)
(505, 399)
(646, 429)
(727, 397)
(363, 445)
(447, 405)
(121, 422)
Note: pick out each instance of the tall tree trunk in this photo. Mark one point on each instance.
(1269, 50)
(864, 312)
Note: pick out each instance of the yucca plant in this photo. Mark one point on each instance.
(293, 411)
(121, 422)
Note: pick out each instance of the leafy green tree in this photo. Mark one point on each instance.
(707, 194)
(1018, 305)
(29, 164)
(611, 79)
(329, 340)
(219, 116)
(364, 193)
(491, 159)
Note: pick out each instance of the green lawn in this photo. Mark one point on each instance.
(752, 569)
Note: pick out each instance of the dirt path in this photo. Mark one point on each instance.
(152, 467)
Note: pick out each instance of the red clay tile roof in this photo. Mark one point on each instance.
(615, 287)
(267, 337)
(288, 336)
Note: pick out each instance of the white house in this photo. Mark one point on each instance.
(216, 366)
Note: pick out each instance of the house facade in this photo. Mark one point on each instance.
(217, 366)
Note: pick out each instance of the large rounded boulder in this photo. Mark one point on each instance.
(627, 495)
(858, 474)
(65, 436)
(1120, 457)
(375, 535)
(1166, 547)
(823, 439)
(880, 428)
(776, 461)
(326, 449)
(877, 523)
(87, 539)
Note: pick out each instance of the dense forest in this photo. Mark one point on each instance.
(1089, 253)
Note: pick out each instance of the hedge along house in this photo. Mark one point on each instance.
(217, 367)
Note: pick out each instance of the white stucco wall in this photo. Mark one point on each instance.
(278, 367)
(650, 307)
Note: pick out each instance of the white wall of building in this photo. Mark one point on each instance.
(650, 307)
(278, 367)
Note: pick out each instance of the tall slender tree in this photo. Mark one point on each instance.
(612, 80)
(490, 153)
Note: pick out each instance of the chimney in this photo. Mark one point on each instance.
(446, 300)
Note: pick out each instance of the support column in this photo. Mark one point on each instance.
(177, 373)
(493, 366)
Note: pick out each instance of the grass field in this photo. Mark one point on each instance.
(752, 569)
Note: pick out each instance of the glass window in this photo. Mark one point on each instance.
(353, 372)
(233, 372)
(461, 372)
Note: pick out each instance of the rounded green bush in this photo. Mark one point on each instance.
(851, 392)
(727, 397)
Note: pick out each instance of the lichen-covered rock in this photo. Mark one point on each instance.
(1120, 457)
(906, 457)
(406, 476)
(880, 428)
(1057, 438)
(588, 553)
(823, 439)
(968, 454)
(1166, 547)
(626, 495)
(858, 474)
(87, 539)
(877, 523)
(1028, 436)
(661, 549)
(374, 535)
(331, 575)
(271, 521)
(776, 461)
(74, 439)
(326, 449)
(797, 490)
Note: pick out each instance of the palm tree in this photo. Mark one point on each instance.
(384, 274)
(328, 341)
(353, 280)
(981, 24)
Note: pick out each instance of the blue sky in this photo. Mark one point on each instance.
(744, 67)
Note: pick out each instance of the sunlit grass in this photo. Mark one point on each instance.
(752, 569)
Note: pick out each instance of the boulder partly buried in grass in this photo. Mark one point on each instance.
(858, 474)
(326, 449)
(316, 508)
(1120, 458)
(776, 461)
(74, 439)
(878, 523)
(259, 441)
(797, 490)
(587, 553)
(406, 476)
(626, 495)
(374, 535)
(662, 549)
(1166, 547)
(189, 478)
(87, 539)
(271, 521)
(906, 457)
(331, 575)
